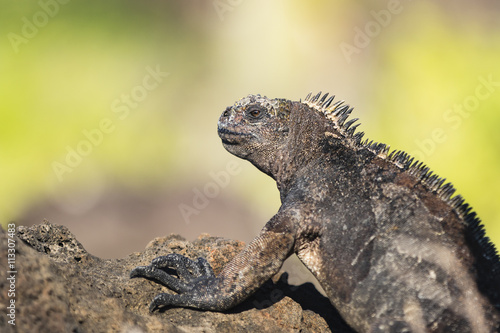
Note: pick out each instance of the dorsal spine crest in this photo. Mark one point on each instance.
(338, 113)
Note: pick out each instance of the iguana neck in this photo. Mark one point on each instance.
(303, 147)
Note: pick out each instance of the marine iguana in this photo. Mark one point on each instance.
(392, 247)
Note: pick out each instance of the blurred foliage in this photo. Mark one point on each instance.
(66, 76)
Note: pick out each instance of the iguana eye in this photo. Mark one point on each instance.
(255, 113)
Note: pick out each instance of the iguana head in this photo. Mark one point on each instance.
(255, 128)
(278, 134)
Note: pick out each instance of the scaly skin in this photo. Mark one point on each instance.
(394, 251)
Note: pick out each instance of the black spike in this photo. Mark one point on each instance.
(456, 201)
(307, 99)
(322, 100)
(395, 157)
(446, 196)
(342, 118)
(446, 186)
(428, 176)
(398, 153)
(329, 101)
(402, 157)
(336, 105)
(438, 183)
(464, 209)
(422, 172)
(358, 137)
(353, 129)
(431, 180)
(420, 165)
(446, 190)
(408, 161)
(349, 111)
(414, 165)
(377, 147)
(341, 109)
(350, 122)
(315, 98)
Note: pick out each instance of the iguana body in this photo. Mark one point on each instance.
(393, 250)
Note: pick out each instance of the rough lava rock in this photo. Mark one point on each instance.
(60, 287)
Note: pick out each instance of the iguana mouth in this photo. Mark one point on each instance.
(231, 137)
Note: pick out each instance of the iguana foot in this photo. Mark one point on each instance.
(192, 277)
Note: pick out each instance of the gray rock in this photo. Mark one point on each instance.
(60, 287)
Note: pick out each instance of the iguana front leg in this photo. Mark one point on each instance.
(198, 287)
(191, 274)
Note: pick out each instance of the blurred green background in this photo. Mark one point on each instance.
(414, 70)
